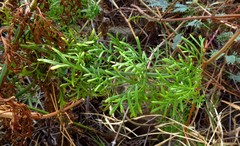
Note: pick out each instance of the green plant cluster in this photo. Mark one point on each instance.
(89, 9)
(119, 73)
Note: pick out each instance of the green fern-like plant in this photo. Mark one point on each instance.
(119, 73)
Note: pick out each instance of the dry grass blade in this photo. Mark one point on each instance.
(232, 105)
(223, 49)
(165, 141)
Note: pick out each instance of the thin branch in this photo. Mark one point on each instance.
(124, 117)
(224, 48)
(125, 18)
(217, 17)
(6, 113)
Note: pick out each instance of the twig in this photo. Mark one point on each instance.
(225, 17)
(125, 18)
(124, 117)
(62, 110)
(217, 17)
(150, 10)
(6, 113)
(224, 48)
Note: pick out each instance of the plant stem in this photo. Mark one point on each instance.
(38, 110)
(24, 90)
(224, 48)
(3, 73)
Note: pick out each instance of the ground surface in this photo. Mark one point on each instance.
(43, 106)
